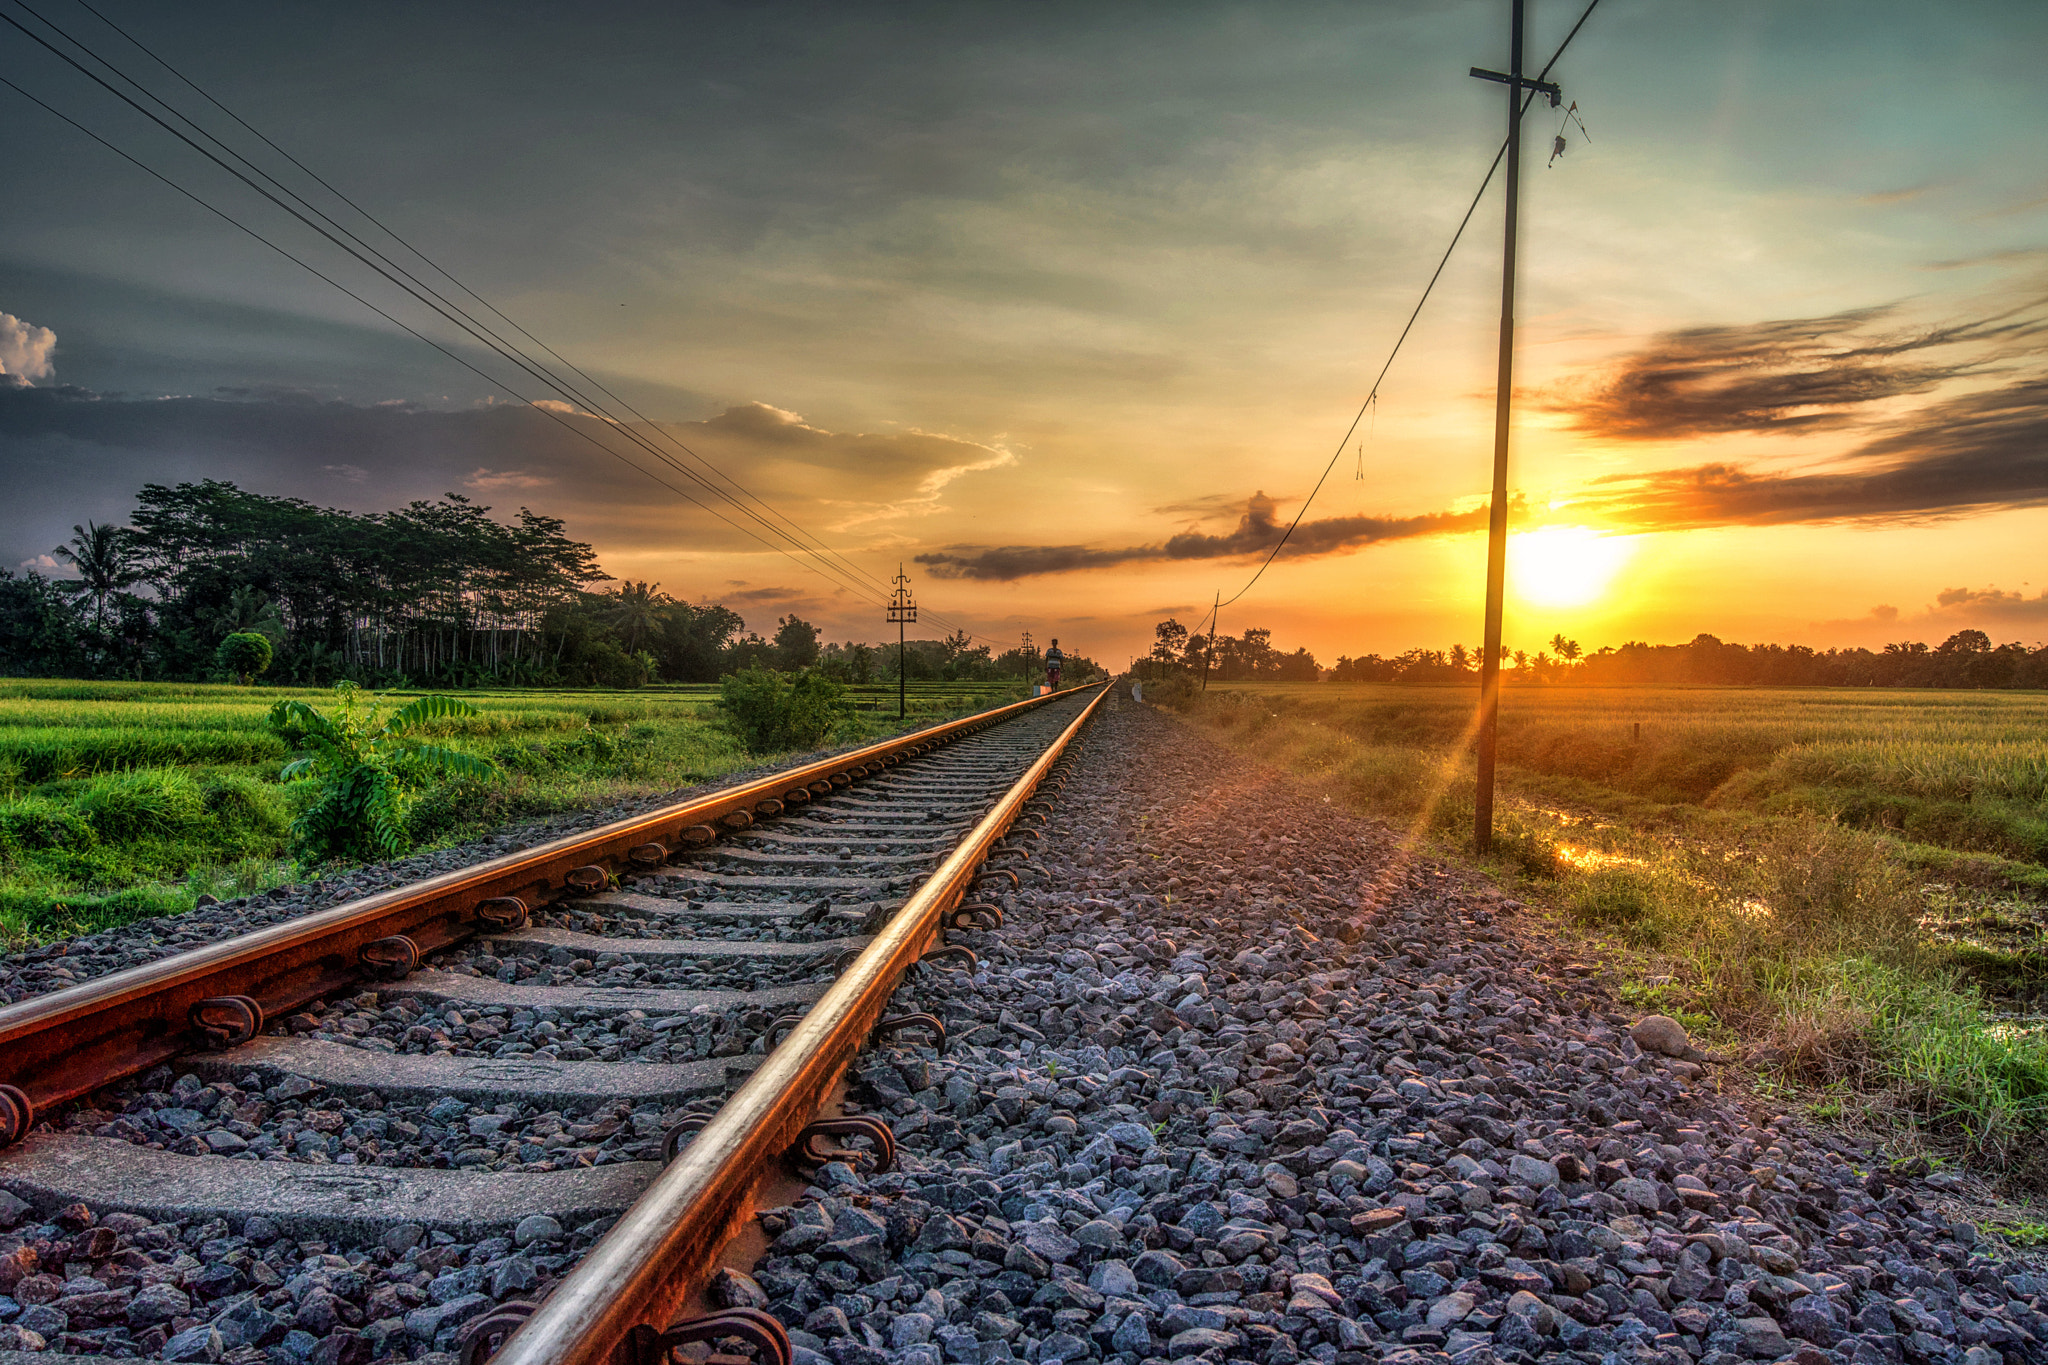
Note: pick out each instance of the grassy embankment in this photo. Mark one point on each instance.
(120, 800)
(1846, 886)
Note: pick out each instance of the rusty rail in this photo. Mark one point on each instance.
(661, 1249)
(58, 1046)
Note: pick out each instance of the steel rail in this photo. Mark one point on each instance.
(67, 1043)
(662, 1248)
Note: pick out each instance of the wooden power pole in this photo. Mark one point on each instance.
(1497, 508)
(902, 610)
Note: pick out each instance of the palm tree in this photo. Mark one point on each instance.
(635, 611)
(100, 554)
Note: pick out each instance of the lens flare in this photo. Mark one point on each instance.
(1565, 566)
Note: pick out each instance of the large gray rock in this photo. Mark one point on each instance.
(1664, 1036)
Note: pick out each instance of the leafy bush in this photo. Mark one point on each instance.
(243, 655)
(770, 713)
(367, 771)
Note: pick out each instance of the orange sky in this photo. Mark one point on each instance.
(1063, 309)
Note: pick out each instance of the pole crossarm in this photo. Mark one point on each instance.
(1549, 88)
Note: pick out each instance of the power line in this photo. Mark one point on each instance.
(1433, 278)
(835, 567)
(446, 274)
(421, 292)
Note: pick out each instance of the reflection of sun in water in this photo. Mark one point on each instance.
(1565, 566)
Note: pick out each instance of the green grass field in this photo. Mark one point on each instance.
(125, 799)
(1848, 885)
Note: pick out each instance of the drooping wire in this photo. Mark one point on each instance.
(836, 567)
(795, 530)
(1434, 276)
(423, 293)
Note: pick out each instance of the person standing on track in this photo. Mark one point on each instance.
(1053, 660)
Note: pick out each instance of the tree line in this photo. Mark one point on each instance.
(1966, 659)
(209, 580)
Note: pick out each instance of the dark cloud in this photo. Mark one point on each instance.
(1976, 451)
(1256, 532)
(70, 453)
(1792, 375)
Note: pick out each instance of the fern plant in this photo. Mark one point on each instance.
(368, 769)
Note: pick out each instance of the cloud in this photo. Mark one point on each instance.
(1256, 532)
(1791, 375)
(485, 480)
(25, 351)
(1992, 604)
(765, 597)
(40, 564)
(1975, 451)
(67, 446)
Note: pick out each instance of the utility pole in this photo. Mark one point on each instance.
(1497, 508)
(902, 611)
(1209, 649)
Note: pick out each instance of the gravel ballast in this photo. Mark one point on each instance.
(1237, 1081)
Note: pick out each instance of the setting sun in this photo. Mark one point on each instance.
(1565, 566)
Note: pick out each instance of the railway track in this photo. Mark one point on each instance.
(636, 1023)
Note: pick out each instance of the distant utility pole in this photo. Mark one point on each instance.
(1209, 647)
(902, 611)
(1497, 509)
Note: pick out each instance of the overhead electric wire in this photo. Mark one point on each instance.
(437, 303)
(796, 530)
(836, 568)
(1527, 100)
(327, 279)
(805, 540)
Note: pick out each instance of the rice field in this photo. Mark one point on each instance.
(125, 799)
(1956, 772)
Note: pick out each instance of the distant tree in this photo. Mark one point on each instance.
(243, 655)
(1170, 641)
(1966, 642)
(105, 563)
(796, 643)
(1567, 650)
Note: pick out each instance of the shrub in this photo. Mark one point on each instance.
(770, 713)
(364, 768)
(243, 655)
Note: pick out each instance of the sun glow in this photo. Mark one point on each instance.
(1565, 566)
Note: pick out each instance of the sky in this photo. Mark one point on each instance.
(1065, 308)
